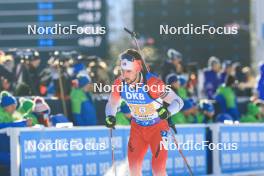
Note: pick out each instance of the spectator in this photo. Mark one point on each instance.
(6, 75)
(248, 84)
(59, 81)
(78, 68)
(192, 84)
(260, 87)
(7, 108)
(5, 84)
(227, 99)
(62, 81)
(239, 75)
(98, 70)
(190, 113)
(207, 112)
(29, 73)
(25, 109)
(253, 113)
(227, 70)
(172, 64)
(41, 111)
(212, 77)
(178, 85)
(82, 106)
(7, 66)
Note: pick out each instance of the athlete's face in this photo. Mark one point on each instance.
(129, 75)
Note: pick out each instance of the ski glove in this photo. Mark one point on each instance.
(110, 122)
(163, 113)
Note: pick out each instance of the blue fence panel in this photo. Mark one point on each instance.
(91, 160)
(197, 158)
(37, 156)
(249, 153)
(4, 150)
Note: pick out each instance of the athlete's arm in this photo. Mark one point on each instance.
(114, 100)
(174, 101)
(167, 95)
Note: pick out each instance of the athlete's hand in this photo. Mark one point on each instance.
(163, 113)
(172, 125)
(110, 121)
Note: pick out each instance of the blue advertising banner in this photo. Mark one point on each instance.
(191, 140)
(244, 148)
(76, 152)
(71, 152)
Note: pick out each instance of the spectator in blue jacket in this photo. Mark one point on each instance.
(260, 87)
(227, 70)
(212, 77)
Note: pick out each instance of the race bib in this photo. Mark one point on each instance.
(143, 111)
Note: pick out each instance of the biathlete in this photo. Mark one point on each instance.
(149, 116)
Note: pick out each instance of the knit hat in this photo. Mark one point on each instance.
(3, 93)
(213, 60)
(174, 54)
(83, 81)
(207, 106)
(227, 63)
(7, 100)
(26, 105)
(78, 67)
(41, 106)
(182, 80)
(171, 78)
(188, 104)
